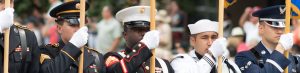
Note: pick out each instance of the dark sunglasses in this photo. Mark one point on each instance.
(275, 23)
(72, 21)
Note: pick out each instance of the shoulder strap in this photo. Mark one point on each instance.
(97, 59)
(23, 43)
(163, 65)
(257, 57)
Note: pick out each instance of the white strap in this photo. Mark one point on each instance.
(275, 64)
(163, 65)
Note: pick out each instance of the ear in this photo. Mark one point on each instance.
(192, 40)
(59, 28)
(124, 34)
(261, 28)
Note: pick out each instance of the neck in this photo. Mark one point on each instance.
(268, 45)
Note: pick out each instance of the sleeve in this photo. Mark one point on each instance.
(35, 64)
(62, 61)
(129, 63)
(274, 64)
(246, 27)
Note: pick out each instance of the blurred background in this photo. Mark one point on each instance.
(172, 19)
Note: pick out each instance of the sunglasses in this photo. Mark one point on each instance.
(72, 21)
(275, 23)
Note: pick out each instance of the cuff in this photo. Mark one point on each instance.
(72, 51)
(279, 59)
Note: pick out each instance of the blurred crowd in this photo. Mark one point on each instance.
(105, 35)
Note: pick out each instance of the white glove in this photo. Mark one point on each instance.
(286, 41)
(80, 37)
(218, 47)
(6, 18)
(151, 39)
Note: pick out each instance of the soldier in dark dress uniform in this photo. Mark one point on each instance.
(139, 41)
(23, 52)
(63, 57)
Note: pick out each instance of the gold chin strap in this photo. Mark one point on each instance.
(68, 11)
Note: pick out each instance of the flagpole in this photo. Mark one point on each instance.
(220, 19)
(152, 27)
(287, 27)
(6, 43)
(82, 23)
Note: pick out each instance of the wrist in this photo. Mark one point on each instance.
(280, 48)
(210, 53)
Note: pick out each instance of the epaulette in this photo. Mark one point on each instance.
(55, 45)
(18, 25)
(91, 49)
(43, 57)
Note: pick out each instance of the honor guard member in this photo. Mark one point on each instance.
(207, 47)
(23, 52)
(139, 41)
(64, 56)
(267, 56)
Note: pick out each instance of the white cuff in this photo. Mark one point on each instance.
(275, 64)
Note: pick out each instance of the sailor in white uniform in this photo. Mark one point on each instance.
(207, 47)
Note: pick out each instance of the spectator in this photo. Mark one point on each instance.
(228, 26)
(177, 16)
(165, 44)
(109, 32)
(51, 35)
(36, 24)
(178, 24)
(236, 42)
(295, 23)
(250, 24)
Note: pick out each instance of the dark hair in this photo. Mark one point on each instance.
(125, 28)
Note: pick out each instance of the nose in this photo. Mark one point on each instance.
(279, 30)
(209, 42)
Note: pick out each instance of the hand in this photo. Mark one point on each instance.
(151, 39)
(286, 41)
(80, 37)
(218, 47)
(248, 10)
(7, 18)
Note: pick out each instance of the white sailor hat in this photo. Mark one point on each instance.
(136, 16)
(203, 25)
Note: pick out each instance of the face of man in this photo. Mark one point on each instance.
(202, 41)
(66, 31)
(270, 34)
(106, 12)
(134, 35)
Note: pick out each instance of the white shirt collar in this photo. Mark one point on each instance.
(269, 50)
